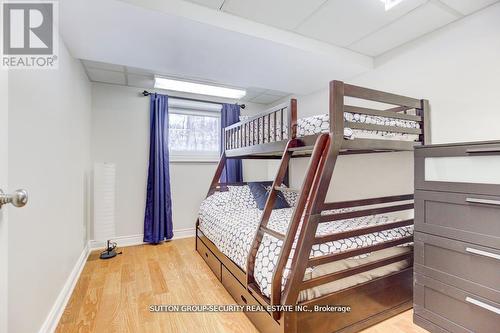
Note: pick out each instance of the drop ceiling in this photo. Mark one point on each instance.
(359, 25)
(179, 39)
(144, 79)
(279, 46)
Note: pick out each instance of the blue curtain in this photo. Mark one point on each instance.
(158, 215)
(233, 171)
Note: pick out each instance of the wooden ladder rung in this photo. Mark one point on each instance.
(272, 232)
(301, 148)
(286, 189)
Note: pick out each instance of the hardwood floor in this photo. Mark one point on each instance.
(115, 295)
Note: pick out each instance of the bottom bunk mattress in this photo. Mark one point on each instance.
(230, 220)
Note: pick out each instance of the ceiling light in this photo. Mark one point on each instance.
(198, 88)
(390, 3)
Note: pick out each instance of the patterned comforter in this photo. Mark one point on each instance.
(230, 220)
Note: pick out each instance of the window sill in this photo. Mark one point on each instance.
(192, 161)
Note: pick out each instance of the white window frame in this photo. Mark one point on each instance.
(197, 109)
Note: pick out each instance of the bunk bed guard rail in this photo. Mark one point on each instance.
(273, 125)
(279, 123)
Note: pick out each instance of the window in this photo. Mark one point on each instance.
(194, 131)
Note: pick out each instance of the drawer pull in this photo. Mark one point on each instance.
(483, 253)
(243, 299)
(206, 254)
(482, 305)
(483, 150)
(483, 201)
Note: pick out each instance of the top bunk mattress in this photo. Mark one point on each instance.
(230, 220)
(321, 124)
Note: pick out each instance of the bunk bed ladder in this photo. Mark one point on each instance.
(312, 174)
(319, 189)
(278, 181)
(309, 207)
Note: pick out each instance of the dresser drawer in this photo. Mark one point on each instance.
(470, 267)
(461, 168)
(209, 258)
(453, 309)
(468, 217)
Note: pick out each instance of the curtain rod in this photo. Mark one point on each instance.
(147, 93)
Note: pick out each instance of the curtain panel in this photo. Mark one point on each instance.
(158, 215)
(233, 171)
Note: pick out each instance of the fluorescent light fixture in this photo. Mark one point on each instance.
(390, 3)
(197, 88)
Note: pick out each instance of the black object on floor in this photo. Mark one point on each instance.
(110, 251)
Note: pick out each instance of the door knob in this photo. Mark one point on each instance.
(18, 199)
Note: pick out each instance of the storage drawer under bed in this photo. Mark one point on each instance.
(468, 217)
(454, 309)
(262, 320)
(470, 267)
(211, 260)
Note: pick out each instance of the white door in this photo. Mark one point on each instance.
(15, 198)
(3, 186)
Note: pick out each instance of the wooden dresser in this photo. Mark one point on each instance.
(457, 237)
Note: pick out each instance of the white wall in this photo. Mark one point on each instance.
(120, 134)
(49, 155)
(457, 68)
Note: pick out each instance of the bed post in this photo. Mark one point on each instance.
(292, 119)
(318, 195)
(292, 132)
(425, 137)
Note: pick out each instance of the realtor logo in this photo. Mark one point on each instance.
(29, 36)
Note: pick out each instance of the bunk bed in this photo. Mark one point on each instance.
(355, 254)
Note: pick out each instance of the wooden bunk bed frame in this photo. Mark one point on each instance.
(370, 302)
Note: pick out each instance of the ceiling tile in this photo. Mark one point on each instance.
(467, 7)
(101, 75)
(284, 14)
(141, 81)
(214, 4)
(419, 22)
(103, 65)
(140, 71)
(277, 93)
(252, 93)
(266, 99)
(342, 22)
